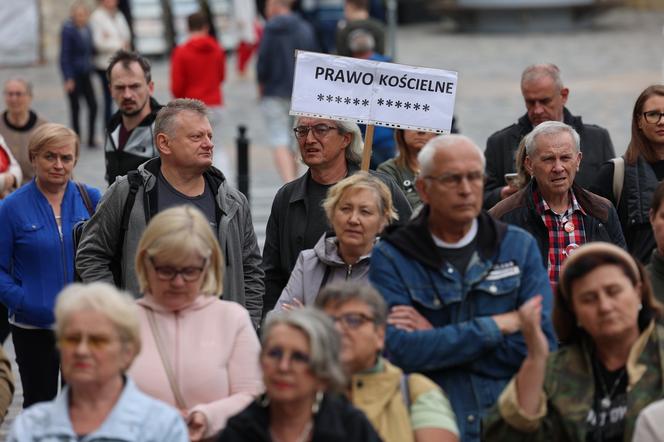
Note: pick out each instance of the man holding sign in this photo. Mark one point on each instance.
(331, 150)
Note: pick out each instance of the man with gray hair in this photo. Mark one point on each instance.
(545, 97)
(18, 122)
(182, 174)
(558, 212)
(454, 278)
(331, 149)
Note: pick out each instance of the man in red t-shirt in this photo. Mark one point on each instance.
(197, 71)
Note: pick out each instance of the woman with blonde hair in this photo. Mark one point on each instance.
(358, 208)
(98, 337)
(200, 352)
(37, 253)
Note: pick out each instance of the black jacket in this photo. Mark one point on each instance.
(633, 208)
(336, 421)
(138, 149)
(600, 221)
(284, 234)
(596, 147)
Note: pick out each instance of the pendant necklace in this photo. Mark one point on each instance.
(605, 402)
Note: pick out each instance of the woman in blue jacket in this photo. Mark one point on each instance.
(37, 253)
(76, 48)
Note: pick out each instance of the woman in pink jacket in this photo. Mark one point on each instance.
(200, 353)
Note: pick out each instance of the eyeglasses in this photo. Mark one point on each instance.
(653, 117)
(319, 130)
(297, 359)
(352, 321)
(453, 180)
(15, 94)
(94, 342)
(169, 273)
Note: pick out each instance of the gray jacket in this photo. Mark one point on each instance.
(318, 267)
(243, 276)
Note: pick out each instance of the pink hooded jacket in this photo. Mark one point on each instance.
(214, 353)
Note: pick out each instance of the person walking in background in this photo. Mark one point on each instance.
(250, 32)
(76, 65)
(356, 15)
(198, 68)
(18, 122)
(284, 33)
(110, 33)
(37, 253)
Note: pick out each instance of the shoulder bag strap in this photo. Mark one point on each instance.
(405, 390)
(175, 388)
(618, 177)
(85, 197)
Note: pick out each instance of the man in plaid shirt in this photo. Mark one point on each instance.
(558, 213)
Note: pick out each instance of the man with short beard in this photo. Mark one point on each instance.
(129, 135)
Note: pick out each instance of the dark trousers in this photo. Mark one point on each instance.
(38, 363)
(4, 324)
(107, 95)
(83, 88)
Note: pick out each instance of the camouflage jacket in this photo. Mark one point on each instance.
(569, 388)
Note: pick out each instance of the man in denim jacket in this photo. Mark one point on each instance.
(454, 279)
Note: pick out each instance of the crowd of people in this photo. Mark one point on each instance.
(452, 294)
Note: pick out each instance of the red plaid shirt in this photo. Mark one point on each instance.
(562, 237)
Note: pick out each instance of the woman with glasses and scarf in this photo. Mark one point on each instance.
(357, 208)
(200, 353)
(629, 182)
(303, 380)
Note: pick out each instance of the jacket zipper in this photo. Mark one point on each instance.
(349, 271)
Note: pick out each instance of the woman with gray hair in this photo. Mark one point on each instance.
(358, 208)
(303, 376)
(98, 336)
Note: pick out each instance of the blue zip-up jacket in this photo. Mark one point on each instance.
(75, 51)
(35, 264)
(465, 353)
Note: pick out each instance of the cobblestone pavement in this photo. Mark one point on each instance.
(605, 68)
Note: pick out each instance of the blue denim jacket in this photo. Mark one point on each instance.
(465, 353)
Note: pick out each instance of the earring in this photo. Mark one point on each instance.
(317, 401)
(264, 401)
(640, 306)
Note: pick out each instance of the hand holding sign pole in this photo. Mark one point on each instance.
(373, 93)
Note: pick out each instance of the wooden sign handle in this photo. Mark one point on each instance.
(368, 142)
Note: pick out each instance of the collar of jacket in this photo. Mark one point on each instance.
(116, 118)
(414, 238)
(327, 251)
(201, 301)
(213, 176)
(589, 202)
(569, 119)
(300, 189)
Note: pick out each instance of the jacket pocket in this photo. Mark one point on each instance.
(497, 295)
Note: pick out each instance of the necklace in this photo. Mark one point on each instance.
(605, 402)
(303, 437)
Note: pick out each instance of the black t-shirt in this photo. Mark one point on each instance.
(316, 219)
(459, 258)
(168, 196)
(606, 420)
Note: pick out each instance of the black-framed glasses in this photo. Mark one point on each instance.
(319, 130)
(296, 358)
(352, 320)
(169, 273)
(453, 180)
(653, 117)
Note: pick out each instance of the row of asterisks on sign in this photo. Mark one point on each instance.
(381, 102)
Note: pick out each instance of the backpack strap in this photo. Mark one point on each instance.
(405, 390)
(618, 177)
(135, 182)
(85, 197)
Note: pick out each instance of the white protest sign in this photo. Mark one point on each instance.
(373, 92)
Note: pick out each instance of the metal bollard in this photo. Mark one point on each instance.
(243, 160)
